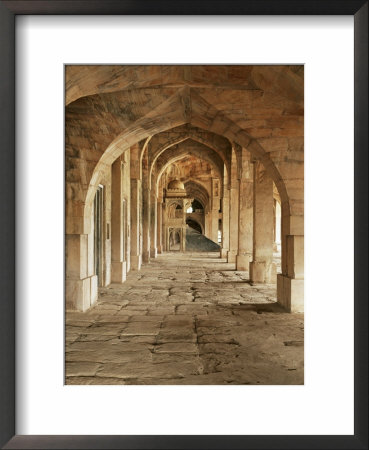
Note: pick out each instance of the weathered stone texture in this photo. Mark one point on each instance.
(239, 336)
(170, 158)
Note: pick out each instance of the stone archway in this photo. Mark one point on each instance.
(187, 106)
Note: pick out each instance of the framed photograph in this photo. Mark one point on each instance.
(184, 234)
(186, 230)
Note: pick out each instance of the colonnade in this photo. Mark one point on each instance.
(241, 201)
(232, 135)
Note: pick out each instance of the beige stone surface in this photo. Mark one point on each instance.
(226, 333)
(224, 144)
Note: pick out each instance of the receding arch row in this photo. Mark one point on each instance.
(100, 131)
(176, 153)
(162, 141)
(173, 113)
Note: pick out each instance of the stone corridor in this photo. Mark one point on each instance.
(185, 318)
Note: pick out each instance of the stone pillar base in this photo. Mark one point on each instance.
(154, 253)
(231, 256)
(223, 252)
(243, 262)
(290, 293)
(261, 272)
(159, 250)
(145, 256)
(118, 271)
(94, 289)
(80, 295)
(136, 261)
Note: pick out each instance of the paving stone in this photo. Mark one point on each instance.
(216, 337)
(136, 307)
(132, 312)
(233, 333)
(181, 347)
(79, 322)
(153, 319)
(97, 337)
(190, 309)
(80, 381)
(217, 348)
(162, 370)
(173, 335)
(161, 311)
(71, 337)
(76, 330)
(80, 369)
(119, 318)
(107, 306)
(137, 339)
(104, 328)
(178, 321)
(107, 355)
(141, 328)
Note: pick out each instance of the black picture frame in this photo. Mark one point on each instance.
(8, 11)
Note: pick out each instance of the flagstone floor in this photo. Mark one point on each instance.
(185, 319)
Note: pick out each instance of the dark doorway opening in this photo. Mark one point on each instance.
(174, 241)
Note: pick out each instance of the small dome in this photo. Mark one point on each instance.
(176, 184)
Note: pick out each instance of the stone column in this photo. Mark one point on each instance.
(225, 214)
(225, 223)
(145, 210)
(80, 283)
(277, 226)
(290, 283)
(118, 265)
(136, 258)
(245, 219)
(207, 224)
(153, 223)
(165, 233)
(215, 204)
(233, 221)
(214, 225)
(145, 225)
(233, 208)
(160, 226)
(262, 269)
(135, 216)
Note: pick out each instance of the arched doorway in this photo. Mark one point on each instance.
(175, 240)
